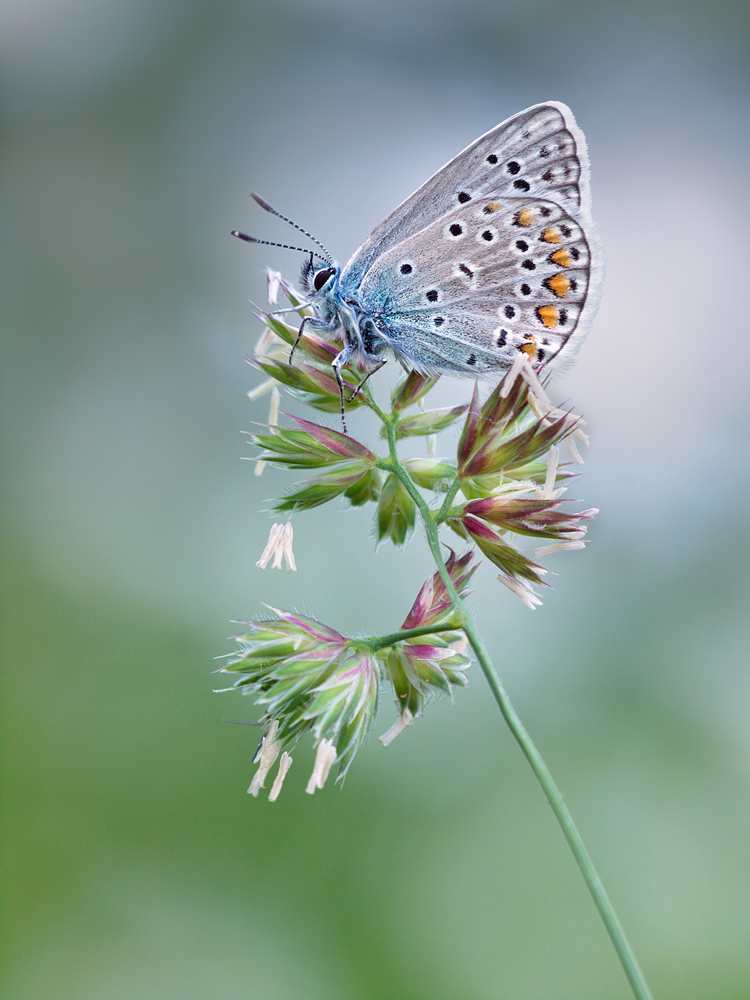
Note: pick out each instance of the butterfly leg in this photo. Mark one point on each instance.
(372, 371)
(291, 309)
(299, 337)
(338, 362)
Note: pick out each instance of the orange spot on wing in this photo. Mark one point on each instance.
(558, 284)
(529, 350)
(491, 207)
(551, 235)
(526, 217)
(561, 257)
(548, 315)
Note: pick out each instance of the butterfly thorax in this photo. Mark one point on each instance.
(342, 315)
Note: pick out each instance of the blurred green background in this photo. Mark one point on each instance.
(136, 867)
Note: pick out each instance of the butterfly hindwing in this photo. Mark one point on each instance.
(490, 277)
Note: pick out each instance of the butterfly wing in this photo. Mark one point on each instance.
(496, 251)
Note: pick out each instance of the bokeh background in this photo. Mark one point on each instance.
(136, 866)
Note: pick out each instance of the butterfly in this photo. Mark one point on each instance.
(494, 255)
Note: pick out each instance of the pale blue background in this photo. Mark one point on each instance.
(137, 867)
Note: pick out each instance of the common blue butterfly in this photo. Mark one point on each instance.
(496, 253)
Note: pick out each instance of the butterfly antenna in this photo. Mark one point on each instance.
(269, 208)
(284, 246)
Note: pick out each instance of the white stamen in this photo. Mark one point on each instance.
(291, 566)
(522, 590)
(262, 389)
(404, 720)
(558, 547)
(273, 421)
(539, 413)
(432, 445)
(283, 549)
(266, 340)
(324, 760)
(279, 548)
(544, 410)
(284, 764)
(518, 362)
(273, 412)
(535, 386)
(549, 482)
(271, 544)
(274, 283)
(267, 753)
(574, 534)
(573, 450)
(538, 398)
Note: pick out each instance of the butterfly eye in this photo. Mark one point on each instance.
(322, 276)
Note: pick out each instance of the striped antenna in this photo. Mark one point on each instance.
(284, 246)
(269, 208)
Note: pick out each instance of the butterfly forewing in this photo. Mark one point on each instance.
(540, 151)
